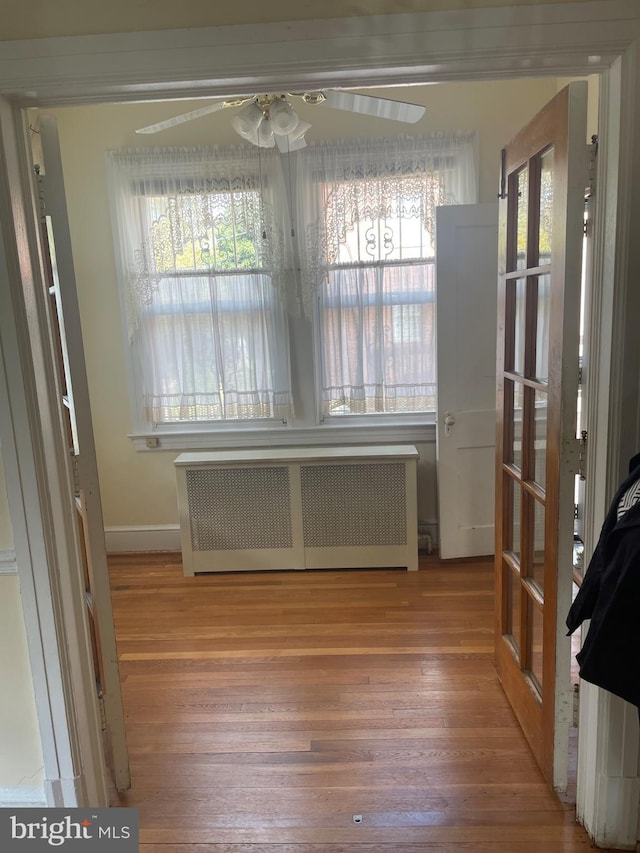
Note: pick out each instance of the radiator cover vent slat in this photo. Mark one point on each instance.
(346, 505)
(239, 508)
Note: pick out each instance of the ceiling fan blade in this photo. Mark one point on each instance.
(372, 106)
(199, 113)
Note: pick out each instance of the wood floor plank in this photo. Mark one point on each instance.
(265, 710)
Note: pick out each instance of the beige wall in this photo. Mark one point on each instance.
(139, 488)
(20, 752)
(23, 19)
(21, 764)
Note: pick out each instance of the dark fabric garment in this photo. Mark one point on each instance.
(610, 597)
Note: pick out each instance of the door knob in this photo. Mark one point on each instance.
(449, 421)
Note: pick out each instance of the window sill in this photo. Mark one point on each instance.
(328, 434)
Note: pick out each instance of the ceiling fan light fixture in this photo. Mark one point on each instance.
(265, 138)
(247, 122)
(284, 119)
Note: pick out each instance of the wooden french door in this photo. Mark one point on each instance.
(64, 324)
(540, 245)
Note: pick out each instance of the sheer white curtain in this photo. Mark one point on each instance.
(366, 213)
(201, 256)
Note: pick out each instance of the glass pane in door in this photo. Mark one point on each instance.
(518, 415)
(513, 586)
(520, 301)
(543, 316)
(535, 642)
(546, 207)
(522, 218)
(536, 568)
(540, 437)
(516, 503)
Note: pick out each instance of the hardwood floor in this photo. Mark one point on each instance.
(265, 711)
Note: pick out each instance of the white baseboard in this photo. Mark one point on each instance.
(22, 798)
(161, 537)
(8, 566)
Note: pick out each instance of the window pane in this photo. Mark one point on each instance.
(512, 580)
(540, 439)
(378, 339)
(546, 207)
(205, 231)
(514, 452)
(516, 318)
(381, 218)
(535, 643)
(513, 499)
(376, 255)
(522, 218)
(216, 349)
(542, 327)
(536, 571)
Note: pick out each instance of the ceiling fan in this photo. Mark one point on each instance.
(269, 120)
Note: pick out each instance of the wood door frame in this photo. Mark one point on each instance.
(608, 787)
(545, 39)
(39, 477)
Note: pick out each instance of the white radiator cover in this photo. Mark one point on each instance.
(312, 508)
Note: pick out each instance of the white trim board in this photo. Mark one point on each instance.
(142, 538)
(608, 783)
(23, 798)
(8, 566)
(552, 39)
(327, 435)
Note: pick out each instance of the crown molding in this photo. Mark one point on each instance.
(563, 38)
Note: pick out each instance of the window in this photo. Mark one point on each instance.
(219, 254)
(206, 325)
(373, 256)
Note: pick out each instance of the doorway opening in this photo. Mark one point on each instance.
(85, 132)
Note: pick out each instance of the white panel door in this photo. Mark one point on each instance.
(466, 287)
